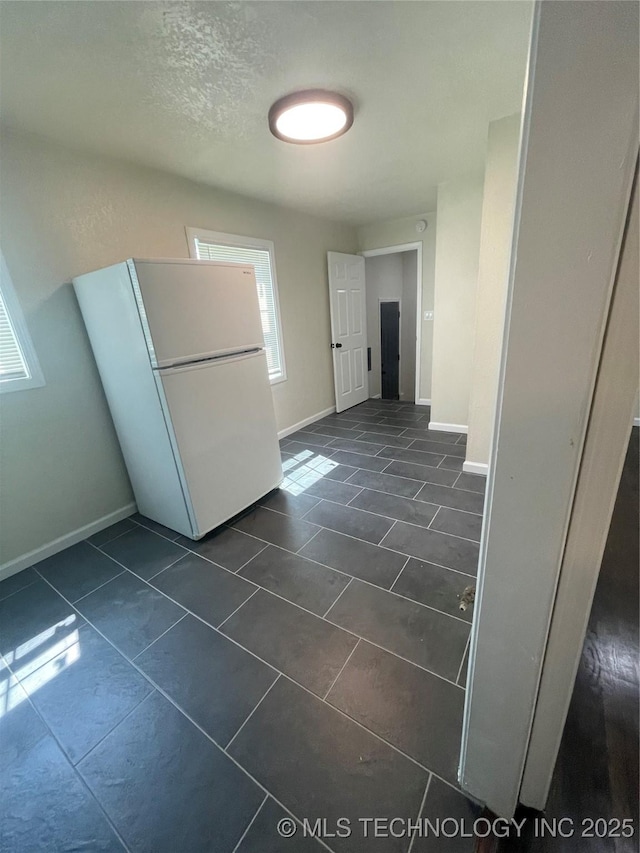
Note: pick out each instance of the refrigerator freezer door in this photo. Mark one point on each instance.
(224, 433)
(193, 310)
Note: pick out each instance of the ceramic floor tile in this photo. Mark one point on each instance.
(452, 463)
(143, 552)
(78, 570)
(295, 505)
(387, 483)
(31, 615)
(386, 440)
(393, 506)
(129, 613)
(354, 522)
(424, 636)
(458, 523)
(399, 454)
(442, 802)
(382, 430)
(426, 434)
(360, 460)
(227, 547)
(472, 482)
(45, 807)
(155, 775)
(434, 586)
(425, 473)
(276, 528)
(20, 726)
(263, 835)
(318, 763)
(453, 498)
(355, 446)
(431, 446)
(153, 525)
(312, 438)
(203, 588)
(360, 559)
(434, 547)
(339, 431)
(81, 686)
(333, 490)
(418, 712)
(214, 681)
(16, 582)
(304, 647)
(111, 532)
(300, 581)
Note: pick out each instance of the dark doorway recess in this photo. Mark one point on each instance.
(390, 349)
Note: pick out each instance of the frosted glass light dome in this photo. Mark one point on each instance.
(309, 117)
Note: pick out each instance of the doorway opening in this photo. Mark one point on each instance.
(390, 349)
(393, 302)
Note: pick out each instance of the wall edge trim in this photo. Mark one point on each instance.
(475, 468)
(24, 561)
(462, 428)
(311, 419)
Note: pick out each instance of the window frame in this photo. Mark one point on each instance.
(35, 378)
(238, 241)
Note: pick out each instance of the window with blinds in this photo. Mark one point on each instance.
(19, 368)
(260, 257)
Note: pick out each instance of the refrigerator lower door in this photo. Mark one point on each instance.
(221, 418)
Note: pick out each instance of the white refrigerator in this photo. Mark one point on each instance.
(180, 351)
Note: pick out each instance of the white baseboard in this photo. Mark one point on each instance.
(475, 468)
(636, 421)
(62, 542)
(295, 427)
(377, 397)
(423, 401)
(462, 428)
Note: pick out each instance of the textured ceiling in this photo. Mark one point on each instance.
(186, 87)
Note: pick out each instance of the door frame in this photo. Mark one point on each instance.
(397, 299)
(394, 250)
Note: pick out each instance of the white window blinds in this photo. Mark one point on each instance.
(13, 365)
(260, 259)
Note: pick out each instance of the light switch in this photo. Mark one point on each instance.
(428, 315)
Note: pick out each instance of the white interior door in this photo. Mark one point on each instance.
(348, 329)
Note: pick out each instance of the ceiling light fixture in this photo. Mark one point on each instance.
(312, 116)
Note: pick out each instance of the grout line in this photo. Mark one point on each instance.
(184, 615)
(246, 563)
(387, 533)
(414, 834)
(231, 757)
(113, 538)
(466, 649)
(342, 668)
(181, 557)
(433, 519)
(226, 619)
(307, 542)
(254, 709)
(98, 587)
(250, 824)
(398, 575)
(362, 488)
(335, 601)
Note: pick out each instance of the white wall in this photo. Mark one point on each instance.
(393, 277)
(456, 278)
(408, 325)
(66, 213)
(500, 179)
(581, 145)
(396, 232)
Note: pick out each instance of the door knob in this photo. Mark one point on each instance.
(337, 346)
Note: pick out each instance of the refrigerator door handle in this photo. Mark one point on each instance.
(183, 367)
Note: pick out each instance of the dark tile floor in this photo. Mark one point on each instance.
(306, 660)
